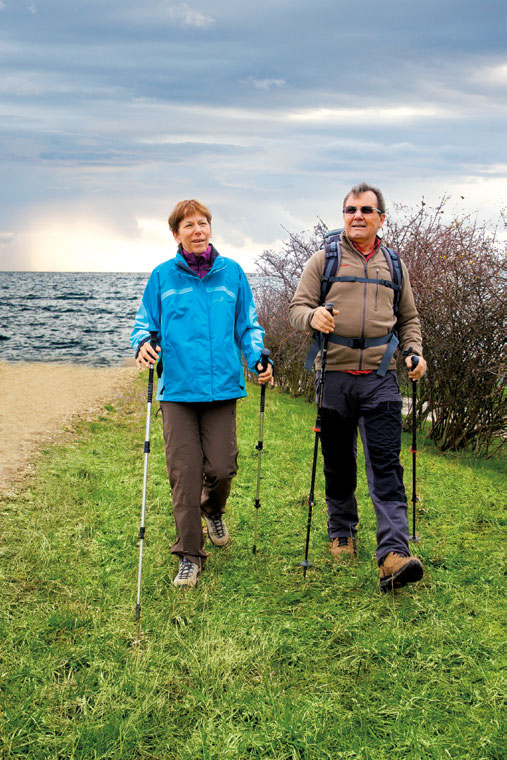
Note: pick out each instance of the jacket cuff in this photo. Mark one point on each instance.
(411, 351)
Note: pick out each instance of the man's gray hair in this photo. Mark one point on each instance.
(364, 187)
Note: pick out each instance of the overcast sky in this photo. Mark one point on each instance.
(268, 111)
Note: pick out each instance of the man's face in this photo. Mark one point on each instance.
(362, 228)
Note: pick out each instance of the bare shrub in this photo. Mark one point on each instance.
(282, 271)
(456, 273)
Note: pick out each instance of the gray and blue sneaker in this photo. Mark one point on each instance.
(187, 573)
(217, 530)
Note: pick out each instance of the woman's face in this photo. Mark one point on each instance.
(194, 234)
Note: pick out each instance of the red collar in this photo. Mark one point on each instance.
(368, 255)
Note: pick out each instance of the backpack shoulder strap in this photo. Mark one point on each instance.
(333, 260)
(394, 264)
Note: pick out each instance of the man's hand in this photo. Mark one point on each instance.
(265, 375)
(147, 355)
(419, 370)
(323, 321)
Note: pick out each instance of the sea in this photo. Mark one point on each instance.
(76, 317)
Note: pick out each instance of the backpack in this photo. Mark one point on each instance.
(333, 261)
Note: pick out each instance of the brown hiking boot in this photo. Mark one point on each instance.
(396, 571)
(342, 547)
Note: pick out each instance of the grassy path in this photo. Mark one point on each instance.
(255, 663)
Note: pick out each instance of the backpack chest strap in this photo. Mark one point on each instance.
(360, 343)
(372, 280)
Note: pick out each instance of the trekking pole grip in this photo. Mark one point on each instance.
(265, 353)
(324, 338)
(329, 306)
(153, 344)
(414, 361)
(413, 358)
(264, 360)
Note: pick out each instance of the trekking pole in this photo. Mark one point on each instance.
(153, 344)
(264, 361)
(413, 449)
(317, 430)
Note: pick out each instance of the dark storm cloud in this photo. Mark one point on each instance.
(276, 102)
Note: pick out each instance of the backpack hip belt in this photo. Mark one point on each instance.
(391, 339)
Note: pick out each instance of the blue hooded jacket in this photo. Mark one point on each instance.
(203, 327)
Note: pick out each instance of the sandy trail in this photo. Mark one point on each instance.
(37, 401)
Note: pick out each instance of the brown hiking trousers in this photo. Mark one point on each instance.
(201, 455)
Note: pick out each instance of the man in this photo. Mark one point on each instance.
(361, 386)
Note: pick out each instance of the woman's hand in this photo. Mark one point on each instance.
(147, 355)
(265, 375)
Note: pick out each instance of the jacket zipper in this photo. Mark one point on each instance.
(186, 268)
(365, 293)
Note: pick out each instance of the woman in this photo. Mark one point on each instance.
(201, 307)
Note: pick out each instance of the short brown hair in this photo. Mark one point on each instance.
(184, 209)
(364, 187)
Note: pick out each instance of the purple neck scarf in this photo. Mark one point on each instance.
(199, 264)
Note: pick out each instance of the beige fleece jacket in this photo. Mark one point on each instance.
(366, 309)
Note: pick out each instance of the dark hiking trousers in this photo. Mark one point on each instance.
(201, 455)
(374, 404)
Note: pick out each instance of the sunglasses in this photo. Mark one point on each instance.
(363, 209)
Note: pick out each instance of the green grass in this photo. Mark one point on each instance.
(257, 662)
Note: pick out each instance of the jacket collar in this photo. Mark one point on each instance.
(350, 245)
(217, 262)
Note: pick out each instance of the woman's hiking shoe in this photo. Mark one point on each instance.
(396, 571)
(187, 574)
(342, 547)
(217, 531)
